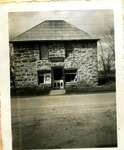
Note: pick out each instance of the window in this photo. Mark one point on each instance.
(70, 75)
(43, 52)
(44, 76)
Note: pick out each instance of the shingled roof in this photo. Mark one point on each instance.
(53, 30)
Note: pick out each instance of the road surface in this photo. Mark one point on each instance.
(66, 121)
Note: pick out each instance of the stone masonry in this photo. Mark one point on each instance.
(83, 57)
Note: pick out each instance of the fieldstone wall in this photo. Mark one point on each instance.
(83, 58)
(25, 66)
(56, 51)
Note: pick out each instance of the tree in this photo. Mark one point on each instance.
(107, 53)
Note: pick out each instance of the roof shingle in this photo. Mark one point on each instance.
(53, 30)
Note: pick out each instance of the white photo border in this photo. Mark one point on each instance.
(115, 5)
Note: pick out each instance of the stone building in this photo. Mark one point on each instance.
(55, 54)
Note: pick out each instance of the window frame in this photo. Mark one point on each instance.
(42, 73)
(73, 72)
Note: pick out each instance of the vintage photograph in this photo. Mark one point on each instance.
(63, 82)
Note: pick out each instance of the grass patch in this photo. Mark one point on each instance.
(108, 87)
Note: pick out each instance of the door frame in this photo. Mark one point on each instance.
(52, 75)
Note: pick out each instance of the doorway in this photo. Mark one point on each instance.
(58, 77)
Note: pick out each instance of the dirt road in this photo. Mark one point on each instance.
(69, 121)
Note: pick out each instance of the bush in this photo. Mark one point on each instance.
(106, 78)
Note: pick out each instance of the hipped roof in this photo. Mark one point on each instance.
(50, 30)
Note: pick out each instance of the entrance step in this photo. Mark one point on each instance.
(57, 92)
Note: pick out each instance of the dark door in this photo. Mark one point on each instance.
(58, 78)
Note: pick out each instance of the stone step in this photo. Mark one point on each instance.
(57, 92)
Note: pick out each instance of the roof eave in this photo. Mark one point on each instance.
(18, 41)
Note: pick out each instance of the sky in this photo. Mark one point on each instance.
(95, 22)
